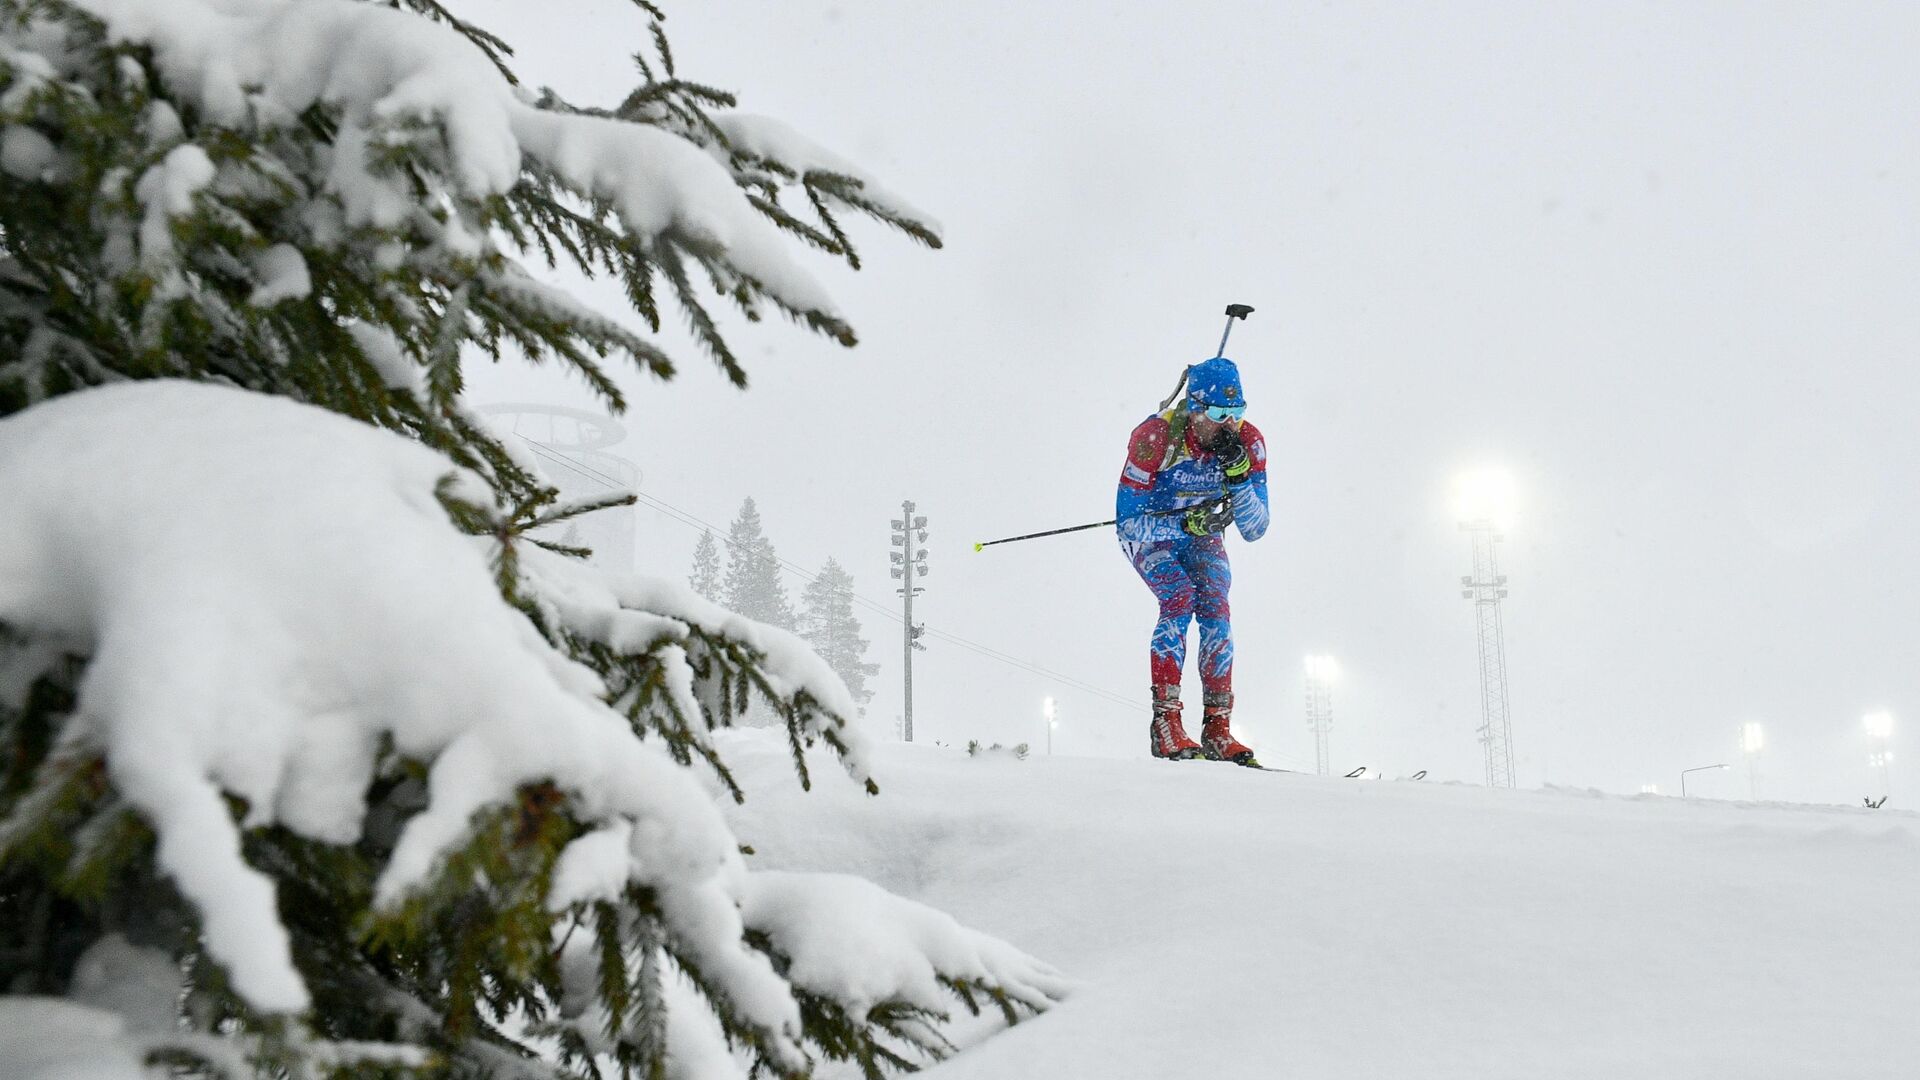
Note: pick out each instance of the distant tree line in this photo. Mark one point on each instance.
(750, 585)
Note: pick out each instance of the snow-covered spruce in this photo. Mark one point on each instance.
(223, 185)
(283, 620)
(267, 717)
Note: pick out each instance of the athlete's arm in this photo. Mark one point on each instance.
(1146, 449)
(1250, 511)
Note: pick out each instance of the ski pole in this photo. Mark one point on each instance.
(1234, 311)
(1094, 525)
(1050, 532)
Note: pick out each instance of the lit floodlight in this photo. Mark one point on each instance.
(1485, 495)
(1879, 724)
(1751, 739)
(1649, 789)
(1046, 709)
(1322, 668)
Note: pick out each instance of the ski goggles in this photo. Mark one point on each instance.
(1220, 414)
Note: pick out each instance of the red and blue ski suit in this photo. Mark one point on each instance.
(1188, 574)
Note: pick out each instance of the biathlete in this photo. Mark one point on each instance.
(1192, 471)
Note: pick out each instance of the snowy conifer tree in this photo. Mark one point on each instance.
(312, 761)
(752, 586)
(828, 624)
(705, 578)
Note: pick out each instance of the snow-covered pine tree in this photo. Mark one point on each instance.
(828, 624)
(296, 777)
(705, 578)
(752, 586)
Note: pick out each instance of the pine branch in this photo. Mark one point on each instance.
(701, 323)
(660, 46)
(850, 191)
(496, 49)
(573, 508)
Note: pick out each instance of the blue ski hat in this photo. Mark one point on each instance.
(1215, 381)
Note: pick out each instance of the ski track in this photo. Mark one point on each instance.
(1227, 922)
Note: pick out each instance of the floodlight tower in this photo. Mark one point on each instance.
(1486, 507)
(1320, 673)
(909, 561)
(1879, 729)
(1752, 741)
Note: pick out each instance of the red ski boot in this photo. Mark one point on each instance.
(1169, 738)
(1216, 736)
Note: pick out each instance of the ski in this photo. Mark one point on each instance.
(1354, 775)
(1358, 773)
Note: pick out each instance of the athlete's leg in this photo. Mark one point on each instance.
(1206, 564)
(1205, 561)
(1159, 565)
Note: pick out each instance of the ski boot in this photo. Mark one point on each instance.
(1169, 738)
(1216, 738)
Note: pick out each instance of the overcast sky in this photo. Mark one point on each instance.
(1659, 260)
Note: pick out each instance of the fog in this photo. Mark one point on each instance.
(1659, 261)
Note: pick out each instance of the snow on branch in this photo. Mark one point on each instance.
(279, 621)
(766, 139)
(252, 64)
(706, 643)
(263, 609)
(849, 940)
(765, 151)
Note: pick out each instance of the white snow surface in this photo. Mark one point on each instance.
(1225, 923)
(250, 63)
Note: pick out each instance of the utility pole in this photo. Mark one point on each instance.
(909, 562)
(1320, 672)
(1486, 587)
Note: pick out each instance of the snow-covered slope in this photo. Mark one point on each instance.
(1229, 923)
